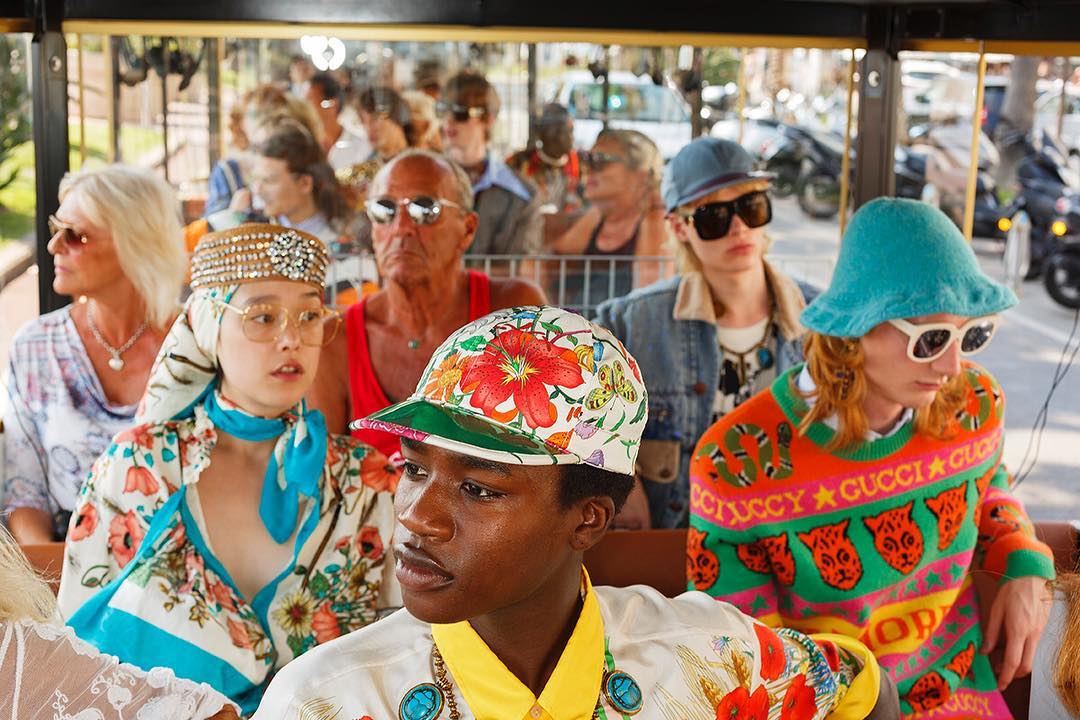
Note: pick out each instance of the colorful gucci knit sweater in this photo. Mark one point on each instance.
(877, 542)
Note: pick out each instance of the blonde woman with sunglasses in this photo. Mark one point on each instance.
(865, 489)
(229, 532)
(76, 374)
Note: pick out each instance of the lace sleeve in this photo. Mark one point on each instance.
(47, 671)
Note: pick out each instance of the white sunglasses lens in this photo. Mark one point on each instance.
(931, 343)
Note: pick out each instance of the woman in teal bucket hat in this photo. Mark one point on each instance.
(860, 492)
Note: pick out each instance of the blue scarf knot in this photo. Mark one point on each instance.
(303, 461)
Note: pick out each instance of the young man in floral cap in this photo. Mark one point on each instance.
(519, 445)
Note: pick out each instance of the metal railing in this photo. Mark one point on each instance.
(576, 282)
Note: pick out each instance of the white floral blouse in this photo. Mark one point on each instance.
(173, 604)
(92, 686)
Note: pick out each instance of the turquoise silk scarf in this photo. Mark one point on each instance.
(301, 459)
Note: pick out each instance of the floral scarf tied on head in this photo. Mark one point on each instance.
(186, 372)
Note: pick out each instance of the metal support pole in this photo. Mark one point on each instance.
(114, 100)
(605, 92)
(976, 131)
(879, 98)
(740, 107)
(879, 92)
(165, 120)
(696, 64)
(214, 99)
(1065, 68)
(48, 73)
(534, 107)
(82, 102)
(845, 163)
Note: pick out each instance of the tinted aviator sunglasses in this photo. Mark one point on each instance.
(422, 210)
(461, 113)
(929, 341)
(713, 220)
(597, 161)
(71, 237)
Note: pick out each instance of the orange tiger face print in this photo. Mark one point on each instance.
(928, 692)
(702, 567)
(754, 557)
(950, 509)
(783, 564)
(834, 555)
(961, 662)
(897, 538)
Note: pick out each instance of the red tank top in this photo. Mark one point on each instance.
(365, 393)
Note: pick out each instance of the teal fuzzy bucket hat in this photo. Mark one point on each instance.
(900, 259)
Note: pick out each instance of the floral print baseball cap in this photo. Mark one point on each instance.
(527, 386)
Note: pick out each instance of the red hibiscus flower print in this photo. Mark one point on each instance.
(139, 479)
(773, 660)
(378, 473)
(798, 701)
(324, 624)
(369, 543)
(521, 365)
(125, 534)
(86, 523)
(138, 436)
(223, 596)
(238, 634)
(739, 704)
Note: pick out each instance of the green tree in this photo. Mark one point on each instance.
(14, 103)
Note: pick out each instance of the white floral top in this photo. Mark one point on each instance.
(174, 604)
(91, 686)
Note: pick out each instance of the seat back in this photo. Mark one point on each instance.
(640, 557)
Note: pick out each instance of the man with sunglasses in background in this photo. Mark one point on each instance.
(507, 205)
(714, 335)
(864, 493)
(421, 209)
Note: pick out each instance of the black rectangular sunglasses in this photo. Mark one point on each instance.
(713, 220)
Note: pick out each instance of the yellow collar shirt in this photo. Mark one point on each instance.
(492, 692)
(687, 657)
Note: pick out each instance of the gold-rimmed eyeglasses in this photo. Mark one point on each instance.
(266, 323)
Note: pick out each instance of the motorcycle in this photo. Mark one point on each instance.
(1061, 263)
(1046, 184)
(806, 163)
(946, 149)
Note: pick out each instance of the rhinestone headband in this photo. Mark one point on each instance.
(250, 253)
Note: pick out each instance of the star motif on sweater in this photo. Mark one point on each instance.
(823, 496)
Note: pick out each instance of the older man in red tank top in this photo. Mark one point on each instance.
(420, 205)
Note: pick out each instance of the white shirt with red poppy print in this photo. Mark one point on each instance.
(343, 574)
(693, 658)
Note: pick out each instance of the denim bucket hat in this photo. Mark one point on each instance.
(900, 259)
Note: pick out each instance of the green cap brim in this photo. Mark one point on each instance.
(464, 432)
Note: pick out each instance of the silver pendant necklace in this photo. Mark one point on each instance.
(115, 362)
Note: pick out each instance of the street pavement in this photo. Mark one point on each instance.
(1023, 356)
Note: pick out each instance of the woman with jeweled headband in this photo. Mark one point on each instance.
(228, 532)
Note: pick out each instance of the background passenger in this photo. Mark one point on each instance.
(77, 373)
(508, 207)
(714, 335)
(867, 486)
(344, 146)
(228, 532)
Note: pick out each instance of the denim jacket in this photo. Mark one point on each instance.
(670, 329)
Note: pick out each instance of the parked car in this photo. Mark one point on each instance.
(634, 103)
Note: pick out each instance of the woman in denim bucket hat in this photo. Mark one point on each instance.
(718, 332)
(867, 485)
